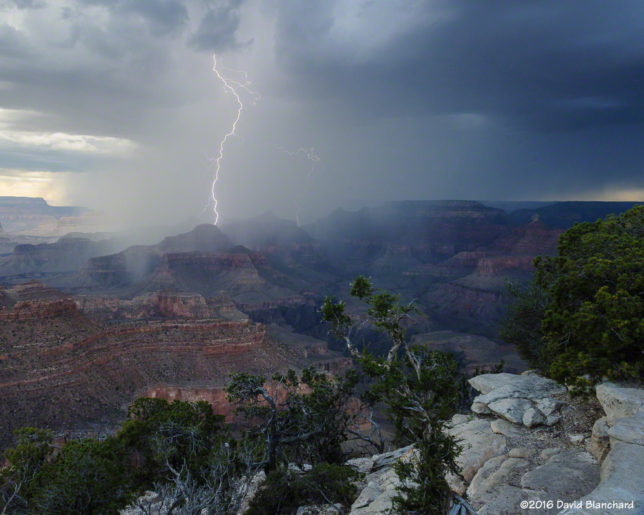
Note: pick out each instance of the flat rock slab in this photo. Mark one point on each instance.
(629, 429)
(504, 501)
(485, 383)
(479, 445)
(622, 480)
(619, 402)
(492, 476)
(505, 428)
(566, 476)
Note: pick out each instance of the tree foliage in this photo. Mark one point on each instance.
(90, 476)
(592, 324)
(297, 419)
(421, 390)
(286, 489)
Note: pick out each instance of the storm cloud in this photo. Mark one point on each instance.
(400, 100)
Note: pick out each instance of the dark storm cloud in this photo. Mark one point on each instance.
(549, 65)
(401, 99)
(162, 16)
(217, 29)
(13, 43)
(103, 74)
(27, 4)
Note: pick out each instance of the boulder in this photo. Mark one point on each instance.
(533, 417)
(379, 461)
(541, 386)
(494, 474)
(576, 438)
(619, 402)
(513, 410)
(521, 452)
(523, 400)
(504, 501)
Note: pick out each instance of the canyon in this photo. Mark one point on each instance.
(83, 331)
(63, 368)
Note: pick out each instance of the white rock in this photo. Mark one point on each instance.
(600, 428)
(320, 509)
(494, 474)
(479, 445)
(459, 418)
(521, 452)
(549, 452)
(362, 465)
(389, 458)
(622, 480)
(511, 409)
(598, 444)
(619, 402)
(566, 475)
(533, 417)
(480, 408)
(377, 497)
(548, 405)
(505, 501)
(552, 419)
(505, 428)
(629, 429)
(485, 383)
(511, 396)
(576, 438)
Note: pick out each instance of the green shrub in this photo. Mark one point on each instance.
(590, 304)
(285, 490)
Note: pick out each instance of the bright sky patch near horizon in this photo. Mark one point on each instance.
(112, 104)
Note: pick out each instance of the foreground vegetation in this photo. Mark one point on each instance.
(582, 318)
(297, 430)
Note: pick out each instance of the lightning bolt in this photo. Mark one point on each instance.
(231, 86)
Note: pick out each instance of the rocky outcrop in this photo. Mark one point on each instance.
(65, 256)
(34, 301)
(159, 305)
(380, 483)
(38, 310)
(27, 214)
(527, 399)
(505, 461)
(619, 439)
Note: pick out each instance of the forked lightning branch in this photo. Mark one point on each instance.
(234, 87)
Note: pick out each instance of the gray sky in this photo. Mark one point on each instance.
(113, 103)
